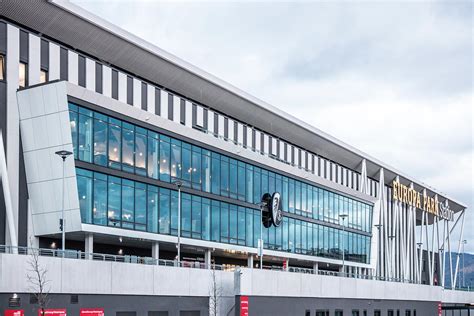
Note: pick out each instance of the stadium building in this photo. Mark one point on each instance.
(162, 182)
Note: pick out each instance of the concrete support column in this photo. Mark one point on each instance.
(287, 264)
(207, 258)
(155, 250)
(89, 245)
(315, 267)
(250, 261)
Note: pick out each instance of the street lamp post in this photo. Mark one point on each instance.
(464, 242)
(420, 246)
(63, 154)
(178, 185)
(260, 244)
(343, 217)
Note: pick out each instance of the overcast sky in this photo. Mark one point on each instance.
(394, 79)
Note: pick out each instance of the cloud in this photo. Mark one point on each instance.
(394, 79)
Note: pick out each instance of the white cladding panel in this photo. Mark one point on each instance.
(122, 87)
(221, 125)
(266, 144)
(90, 74)
(176, 108)
(73, 65)
(240, 133)
(54, 52)
(189, 114)
(257, 140)
(210, 121)
(12, 135)
(230, 131)
(164, 104)
(199, 115)
(249, 137)
(137, 93)
(34, 61)
(150, 91)
(107, 81)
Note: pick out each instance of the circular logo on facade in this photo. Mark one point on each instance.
(276, 209)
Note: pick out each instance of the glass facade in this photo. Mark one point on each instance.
(106, 141)
(107, 200)
(117, 202)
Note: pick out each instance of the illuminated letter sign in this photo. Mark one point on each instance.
(14, 312)
(53, 312)
(92, 312)
(410, 197)
(244, 306)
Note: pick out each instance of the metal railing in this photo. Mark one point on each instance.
(81, 255)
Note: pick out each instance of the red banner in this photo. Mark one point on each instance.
(53, 312)
(92, 312)
(244, 306)
(14, 312)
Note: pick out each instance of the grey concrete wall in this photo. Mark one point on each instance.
(284, 306)
(115, 303)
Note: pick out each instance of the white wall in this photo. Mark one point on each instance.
(45, 129)
(101, 277)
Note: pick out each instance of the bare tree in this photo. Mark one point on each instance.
(215, 293)
(37, 279)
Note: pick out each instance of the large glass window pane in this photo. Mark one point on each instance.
(206, 171)
(174, 212)
(115, 202)
(291, 235)
(249, 228)
(152, 209)
(84, 189)
(264, 188)
(185, 215)
(298, 197)
(257, 194)
(196, 217)
(249, 181)
(215, 221)
(128, 147)
(115, 141)
(285, 235)
(291, 196)
(233, 179)
(100, 140)
(140, 206)
(215, 174)
(128, 211)
(233, 223)
(165, 221)
(196, 165)
(100, 199)
(257, 226)
(241, 226)
(187, 167)
(241, 181)
(224, 222)
(298, 236)
(73, 118)
(224, 176)
(85, 137)
(206, 219)
(153, 155)
(140, 151)
(285, 197)
(176, 166)
(164, 159)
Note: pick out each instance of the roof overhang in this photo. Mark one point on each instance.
(91, 35)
